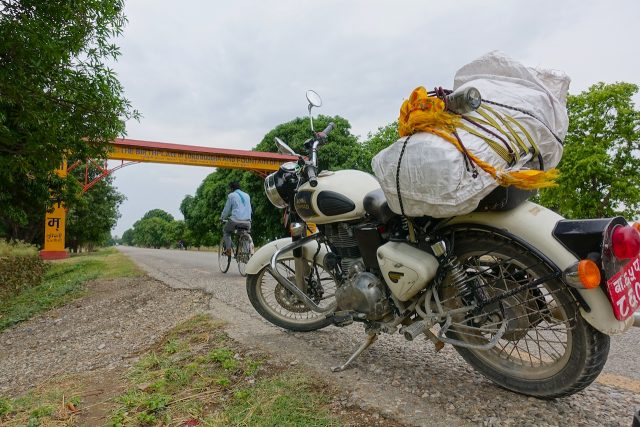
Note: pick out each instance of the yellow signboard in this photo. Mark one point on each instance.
(54, 228)
(144, 154)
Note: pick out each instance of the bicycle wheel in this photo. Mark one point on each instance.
(224, 260)
(243, 254)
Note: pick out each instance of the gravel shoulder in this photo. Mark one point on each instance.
(115, 321)
(88, 345)
(407, 381)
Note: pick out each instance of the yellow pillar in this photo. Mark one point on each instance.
(54, 224)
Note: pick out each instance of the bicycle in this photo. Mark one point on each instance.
(241, 249)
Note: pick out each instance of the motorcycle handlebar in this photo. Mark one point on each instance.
(311, 175)
(326, 131)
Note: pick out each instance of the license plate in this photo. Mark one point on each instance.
(624, 290)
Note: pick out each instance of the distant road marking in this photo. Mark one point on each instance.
(619, 381)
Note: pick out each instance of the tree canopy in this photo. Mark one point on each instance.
(600, 167)
(58, 98)
(156, 229)
(202, 211)
(91, 217)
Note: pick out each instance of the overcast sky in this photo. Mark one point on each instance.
(222, 74)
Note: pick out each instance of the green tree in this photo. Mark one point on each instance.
(57, 98)
(128, 237)
(151, 232)
(92, 216)
(600, 167)
(378, 141)
(158, 213)
(177, 231)
(202, 211)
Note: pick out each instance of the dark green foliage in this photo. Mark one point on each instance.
(158, 213)
(57, 98)
(127, 237)
(91, 216)
(378, 141)
(20, 268)
(157, 229)
(600, 167)
(203, 210)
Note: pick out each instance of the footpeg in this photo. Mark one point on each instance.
(418, 328)
(342, 318)
(415, 329)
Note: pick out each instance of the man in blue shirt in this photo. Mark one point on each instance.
(238, 210)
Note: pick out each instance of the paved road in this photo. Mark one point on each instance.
(405, 379)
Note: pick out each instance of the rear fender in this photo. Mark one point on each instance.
(262, 257)
(534, 225)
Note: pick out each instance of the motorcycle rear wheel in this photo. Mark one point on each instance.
(280, 307)
(549, 350)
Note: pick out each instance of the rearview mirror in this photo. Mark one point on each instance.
(314, 99)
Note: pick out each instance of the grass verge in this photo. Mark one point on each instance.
(64, 281)
(195, 376)
(198, 376)
(55, 406)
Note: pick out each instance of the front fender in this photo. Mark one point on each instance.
(534, 224)
(262, 257)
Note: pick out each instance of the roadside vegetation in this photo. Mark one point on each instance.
(195, 375)
(63, 281)
(198, 376)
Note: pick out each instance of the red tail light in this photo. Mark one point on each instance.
(625, 242)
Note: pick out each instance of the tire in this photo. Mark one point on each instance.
(224, 260)
(277, 305)
(243, 254)
(565, 353)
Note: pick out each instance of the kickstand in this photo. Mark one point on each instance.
(365, 345)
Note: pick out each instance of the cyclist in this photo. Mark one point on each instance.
(238, 210)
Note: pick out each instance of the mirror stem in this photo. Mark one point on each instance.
(311, 118)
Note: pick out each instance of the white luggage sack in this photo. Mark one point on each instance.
(435, 178)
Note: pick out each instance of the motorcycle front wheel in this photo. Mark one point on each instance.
(548, 350)
(279, 306)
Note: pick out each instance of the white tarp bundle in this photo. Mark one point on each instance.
(434, 178)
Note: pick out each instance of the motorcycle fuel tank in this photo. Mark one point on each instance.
(337, 197)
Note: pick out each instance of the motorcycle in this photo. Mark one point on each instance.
(526, 297)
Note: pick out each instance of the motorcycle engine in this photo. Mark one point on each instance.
(363, 292)
(344, 244)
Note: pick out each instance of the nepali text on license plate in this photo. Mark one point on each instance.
(624, 289)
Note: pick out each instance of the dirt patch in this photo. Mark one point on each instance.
(117, 320)
(86, 348)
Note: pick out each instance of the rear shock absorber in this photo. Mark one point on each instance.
(457, 274)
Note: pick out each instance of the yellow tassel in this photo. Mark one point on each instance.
(528, 179)
(421, 112)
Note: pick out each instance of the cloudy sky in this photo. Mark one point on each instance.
(222, 74)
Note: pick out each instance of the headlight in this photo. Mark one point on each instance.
(272, 192)
(280, 186)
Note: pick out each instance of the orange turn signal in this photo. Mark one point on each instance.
(589, 274)
(636, 225)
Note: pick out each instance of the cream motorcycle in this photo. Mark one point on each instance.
(527, 298)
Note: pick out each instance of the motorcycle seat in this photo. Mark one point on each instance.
(375, 204)
(504, 199)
